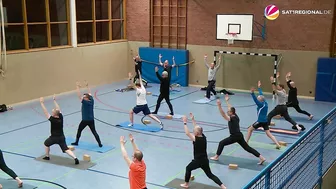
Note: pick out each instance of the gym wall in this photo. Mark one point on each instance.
(301, 39)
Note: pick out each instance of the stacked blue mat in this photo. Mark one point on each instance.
(178, 75)
(325, 89)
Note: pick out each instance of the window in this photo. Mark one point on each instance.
(31, 24)
(99, 20)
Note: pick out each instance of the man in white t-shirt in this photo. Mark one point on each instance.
(141, 102)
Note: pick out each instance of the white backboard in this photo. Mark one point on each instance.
(242, 24)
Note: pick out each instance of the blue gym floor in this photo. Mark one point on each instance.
(166, 153)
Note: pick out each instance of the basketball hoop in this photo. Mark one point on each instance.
(231, 37)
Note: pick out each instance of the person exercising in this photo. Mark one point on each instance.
(200, 154)
(212, 70)
(164, 91)
(141, 102)
(57, 134)
(262, 109)
(87, 114)
(137, 166)
(292, 97)
(138, 68)
(236, 136)
(9, 171)
(166, 67)
(281, 108)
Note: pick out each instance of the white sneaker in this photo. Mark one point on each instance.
(130, 125)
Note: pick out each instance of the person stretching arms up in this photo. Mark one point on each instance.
(292, 97)
(235, 135)
(167, 67)
(212, 70)
(137, 166)
(57, 134)
(200, 154)
(262, 109)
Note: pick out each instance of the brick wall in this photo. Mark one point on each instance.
(287, 32)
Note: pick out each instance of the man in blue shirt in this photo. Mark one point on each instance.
(87, 115)
(262, 109)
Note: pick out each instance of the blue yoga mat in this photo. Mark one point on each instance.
(141, 127)
(205, 100)
(89, 146)
(171, 93)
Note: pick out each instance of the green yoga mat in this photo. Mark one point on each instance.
(12, 184)
(192, 185)
(243, 163)
(67, 162)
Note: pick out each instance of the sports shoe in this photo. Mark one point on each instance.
(130, 125)
(161, 124)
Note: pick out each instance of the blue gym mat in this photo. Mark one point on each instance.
(205, 100)
(89, 146)
(141, 127)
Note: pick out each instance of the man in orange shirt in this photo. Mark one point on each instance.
(137, 172)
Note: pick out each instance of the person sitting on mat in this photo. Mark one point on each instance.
(138, 68)
(137, 166)
(57, 133)
(281, 108)
(9, 171)
(87, 114)
(164, 91)
(167, 67)
(141, 102)
(236, 136)
(200, 154)
(262, 109)
(212, 70)
(292, 97)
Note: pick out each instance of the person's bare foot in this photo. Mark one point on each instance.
(185, 185)
(215, 158)
(223, 187)
(19, 181)
(0, 186)
(278, 147)
(262, 160)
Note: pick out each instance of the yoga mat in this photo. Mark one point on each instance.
(66, 162)
(129, 89)
(141, 127)
(192, 185)
(282, 131)
(251, 164)
(171, 93)
(205, 100)
(164, 114)
(89, 146)
(12, 184)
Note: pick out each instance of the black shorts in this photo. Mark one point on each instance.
(142, 108)
(60, 140)
(264, 125)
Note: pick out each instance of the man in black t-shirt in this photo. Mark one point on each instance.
(200, 154)
(235, 135)
(292, 100)
(164, 91)
(166, 67)
(57, 134)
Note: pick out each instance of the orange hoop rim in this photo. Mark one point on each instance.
(232, 34)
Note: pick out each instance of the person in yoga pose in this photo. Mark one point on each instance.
(292, 97)
(9, 171)
(138, 68)
(166, 67)
(141, 102)
(164, 91)
(137, 166)
(262, 109)
(200, 154)
(281, 108)
(236, 136)
(87, 114)
(57, 134)
(212, 70)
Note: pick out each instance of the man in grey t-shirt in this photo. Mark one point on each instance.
(281, 108)
(212, 70)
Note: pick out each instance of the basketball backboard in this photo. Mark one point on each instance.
(241, 24)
